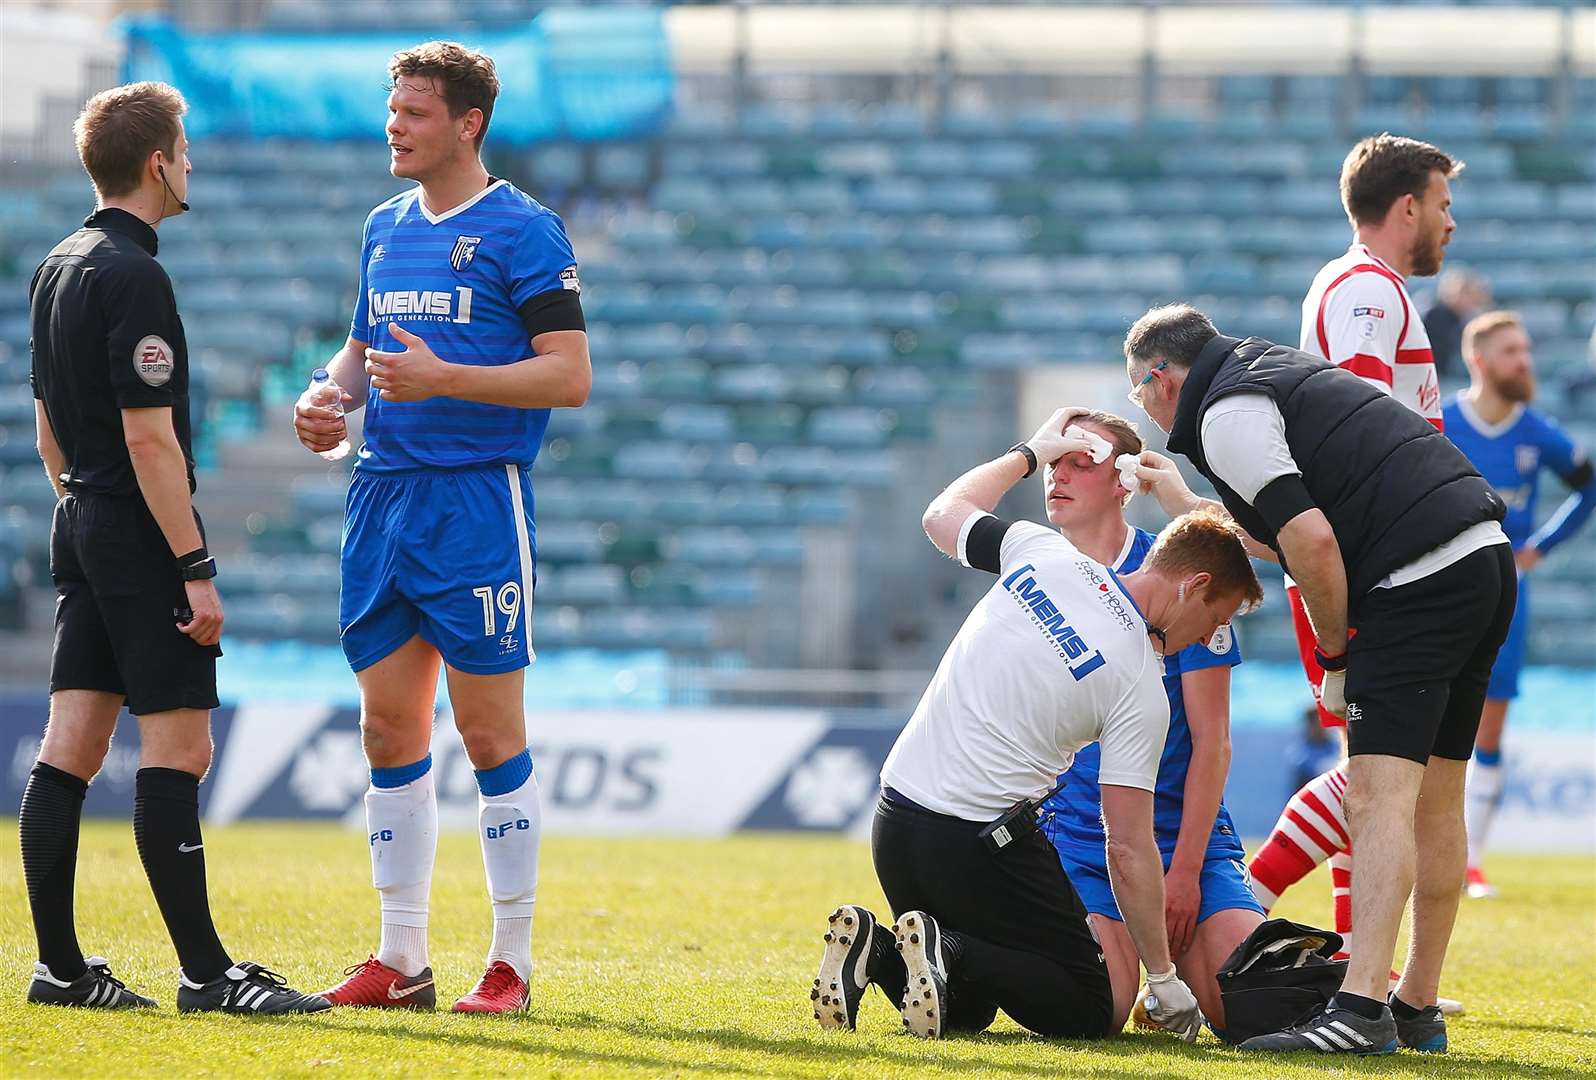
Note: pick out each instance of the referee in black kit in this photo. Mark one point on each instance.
(138, 619)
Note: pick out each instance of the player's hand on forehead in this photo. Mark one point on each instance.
(1058, 436)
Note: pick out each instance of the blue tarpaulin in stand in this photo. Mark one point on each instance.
(572, 74)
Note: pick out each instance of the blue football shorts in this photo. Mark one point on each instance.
(1510, 657)
(448, 554)
(1223, 882)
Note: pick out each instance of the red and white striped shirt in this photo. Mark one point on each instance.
(1358, 314)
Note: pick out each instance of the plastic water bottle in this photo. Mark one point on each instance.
(329, 395)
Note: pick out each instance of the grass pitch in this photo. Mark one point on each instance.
(684, 958)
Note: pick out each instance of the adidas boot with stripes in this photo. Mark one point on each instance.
(246, 988)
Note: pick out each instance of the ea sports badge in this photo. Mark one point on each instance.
(152, 360)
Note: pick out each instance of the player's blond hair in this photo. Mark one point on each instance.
(465, 78)
(1206, 541)
(1482, 327)
(120, 128)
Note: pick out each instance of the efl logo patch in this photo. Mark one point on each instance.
(569, 280)
(1372, 312)
(152, 360)
(465, 249)
(1220, 640)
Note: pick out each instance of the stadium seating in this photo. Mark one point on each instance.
(784, 298)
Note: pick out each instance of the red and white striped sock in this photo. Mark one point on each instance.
(1312, 828)
(1341, 893)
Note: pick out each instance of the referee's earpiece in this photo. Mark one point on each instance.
(1180, 593)
(162, 170)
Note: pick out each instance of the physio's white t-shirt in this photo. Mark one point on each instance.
(1053, 657)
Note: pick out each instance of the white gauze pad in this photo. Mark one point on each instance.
(1126, 464)
(1098, 446)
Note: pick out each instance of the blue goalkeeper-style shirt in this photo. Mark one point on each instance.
(1510, 455)
(476, 283)
(1077, 811)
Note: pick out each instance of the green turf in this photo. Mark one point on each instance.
(685, 958)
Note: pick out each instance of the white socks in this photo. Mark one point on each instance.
(402, 828)
(1484, 794)
(510, 822)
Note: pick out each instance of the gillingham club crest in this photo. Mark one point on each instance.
(465, 249)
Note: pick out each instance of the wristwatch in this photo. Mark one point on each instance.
(1030, 456)
(1330, 663)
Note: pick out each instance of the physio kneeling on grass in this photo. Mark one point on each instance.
(1058, 654)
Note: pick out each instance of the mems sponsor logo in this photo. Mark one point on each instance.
(424, 305)
(1078, 656)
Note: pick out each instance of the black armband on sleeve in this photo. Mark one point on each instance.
(1579, 477)
(983, 548)
(557, 309)
(1282, 499)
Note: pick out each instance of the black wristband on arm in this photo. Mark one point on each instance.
(1282, 499)
(193, 558)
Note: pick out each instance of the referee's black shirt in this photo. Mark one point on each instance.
(107, 337)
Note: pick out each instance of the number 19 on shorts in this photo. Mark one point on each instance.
(507, 600)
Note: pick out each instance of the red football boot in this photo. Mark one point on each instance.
(373, 984)
(500, 990)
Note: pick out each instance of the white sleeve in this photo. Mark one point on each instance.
(964, 535)
(1361, 324)
(1025, 540)
(1243, 437)
(1133, 735)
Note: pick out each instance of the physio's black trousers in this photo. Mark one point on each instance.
(1017, 934)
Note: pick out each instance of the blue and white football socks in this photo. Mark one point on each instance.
(510, 820)
(402, 828)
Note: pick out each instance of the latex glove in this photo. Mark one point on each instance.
(1171, 1005)
(1160, 477)
(1128, 466)
(1333, 693)
(1052, 441)
(1096, 445)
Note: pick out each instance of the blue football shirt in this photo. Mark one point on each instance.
(1510, 455)
(460, 282)
(1077, 811)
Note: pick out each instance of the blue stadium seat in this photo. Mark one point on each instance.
(978, 123)
(899, 121)
(1246, 88)
(1522, 122)
(582, 585)
(848, 426)
(712, 546)
(1452, 122)
(698, 423)
(1041, 122)
(1244, 121)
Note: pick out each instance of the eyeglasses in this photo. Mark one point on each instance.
(1135, 395)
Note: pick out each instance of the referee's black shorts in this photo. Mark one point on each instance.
(118, 592)
(1418, 667)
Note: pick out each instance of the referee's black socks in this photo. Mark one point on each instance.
(167, 828)
(52, 808)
